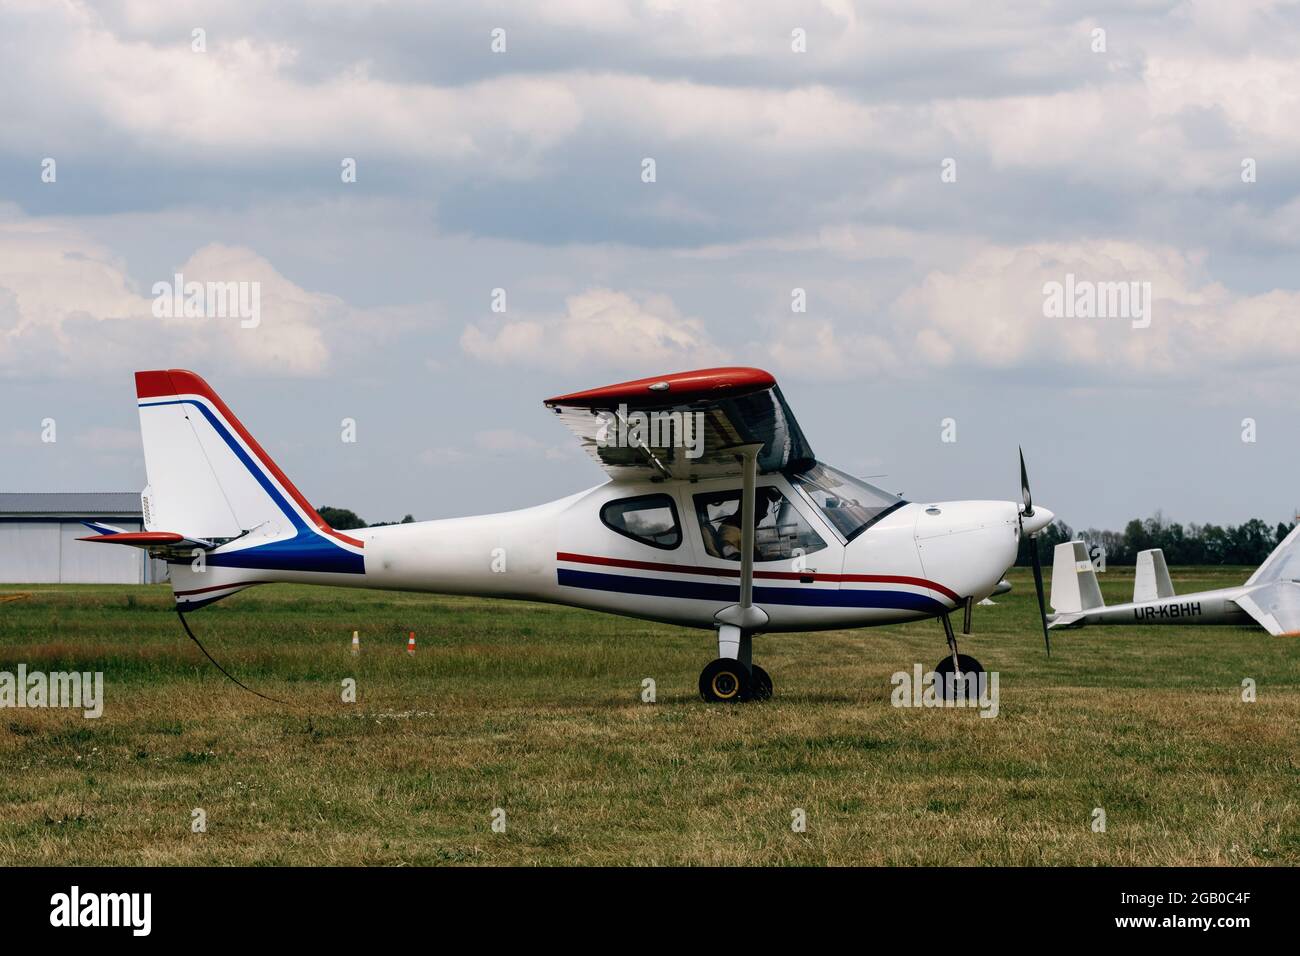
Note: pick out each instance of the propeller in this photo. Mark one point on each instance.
(1028, 512)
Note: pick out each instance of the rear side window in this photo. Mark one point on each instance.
(649, 519)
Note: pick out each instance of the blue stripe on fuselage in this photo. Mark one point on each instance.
(304, 552)
(802, 596)
(308, 550)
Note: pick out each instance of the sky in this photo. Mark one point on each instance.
(918, 174)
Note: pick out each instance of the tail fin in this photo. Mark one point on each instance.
(1151, 579)
(210, 479)
(1074, 582)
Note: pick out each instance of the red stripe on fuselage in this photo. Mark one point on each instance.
(768, 575)
(177, 381)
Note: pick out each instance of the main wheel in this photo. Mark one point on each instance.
(969, 666)
(760, 684)
(725, 681)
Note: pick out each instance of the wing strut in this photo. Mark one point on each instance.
(738, 622)
(748, 455)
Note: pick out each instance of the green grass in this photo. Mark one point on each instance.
(537, 710)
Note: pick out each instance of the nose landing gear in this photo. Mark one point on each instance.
(959, 665)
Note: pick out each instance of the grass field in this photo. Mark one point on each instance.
(537, 710)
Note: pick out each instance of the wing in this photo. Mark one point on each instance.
(1275, 606)
(1275, 601)
(682, 426)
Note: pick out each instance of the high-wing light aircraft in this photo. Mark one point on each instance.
(716, 515)
(1270, 598)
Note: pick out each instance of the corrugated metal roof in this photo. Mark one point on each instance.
(81, 503)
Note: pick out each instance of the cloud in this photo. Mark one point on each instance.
(247, 97)
(818, 349)
(69, 308)
(603, 328)
(988, 313)
(442, 457)
(490, 447)
(273, 90)
(505, 441)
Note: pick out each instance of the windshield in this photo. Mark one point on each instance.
(850, 504)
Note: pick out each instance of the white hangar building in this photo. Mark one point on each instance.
(39, 532)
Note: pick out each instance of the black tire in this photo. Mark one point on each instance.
(725, 681)
(969, 666)
(760, 684)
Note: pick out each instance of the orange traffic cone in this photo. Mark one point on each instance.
(410, 644)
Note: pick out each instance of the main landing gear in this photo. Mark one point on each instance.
(734, 677)
(960, 664)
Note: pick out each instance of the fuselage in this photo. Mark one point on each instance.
(654, 550)
(1201, 607)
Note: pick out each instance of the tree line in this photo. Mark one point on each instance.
(1245, 544)
(345, 519)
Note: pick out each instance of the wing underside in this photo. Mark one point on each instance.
(685, 426)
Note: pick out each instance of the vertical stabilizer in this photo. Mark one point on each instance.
(1074, 580)
(1151, 579)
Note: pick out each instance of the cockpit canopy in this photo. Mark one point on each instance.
(850, 504)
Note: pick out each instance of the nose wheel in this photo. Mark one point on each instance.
(955, 663)
(967, 666)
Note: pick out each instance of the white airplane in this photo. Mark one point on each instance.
(716, 515)
(1270, 598)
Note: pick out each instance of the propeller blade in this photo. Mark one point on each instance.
(1038, 586)
(1024, 487)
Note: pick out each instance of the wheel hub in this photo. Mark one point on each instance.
(725, 685)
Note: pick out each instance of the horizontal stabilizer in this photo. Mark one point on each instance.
(1151, 579)
(152, 541)
(1059, 621)
(1074, 581)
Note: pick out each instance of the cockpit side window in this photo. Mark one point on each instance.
(649, 519)
(780, 532)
